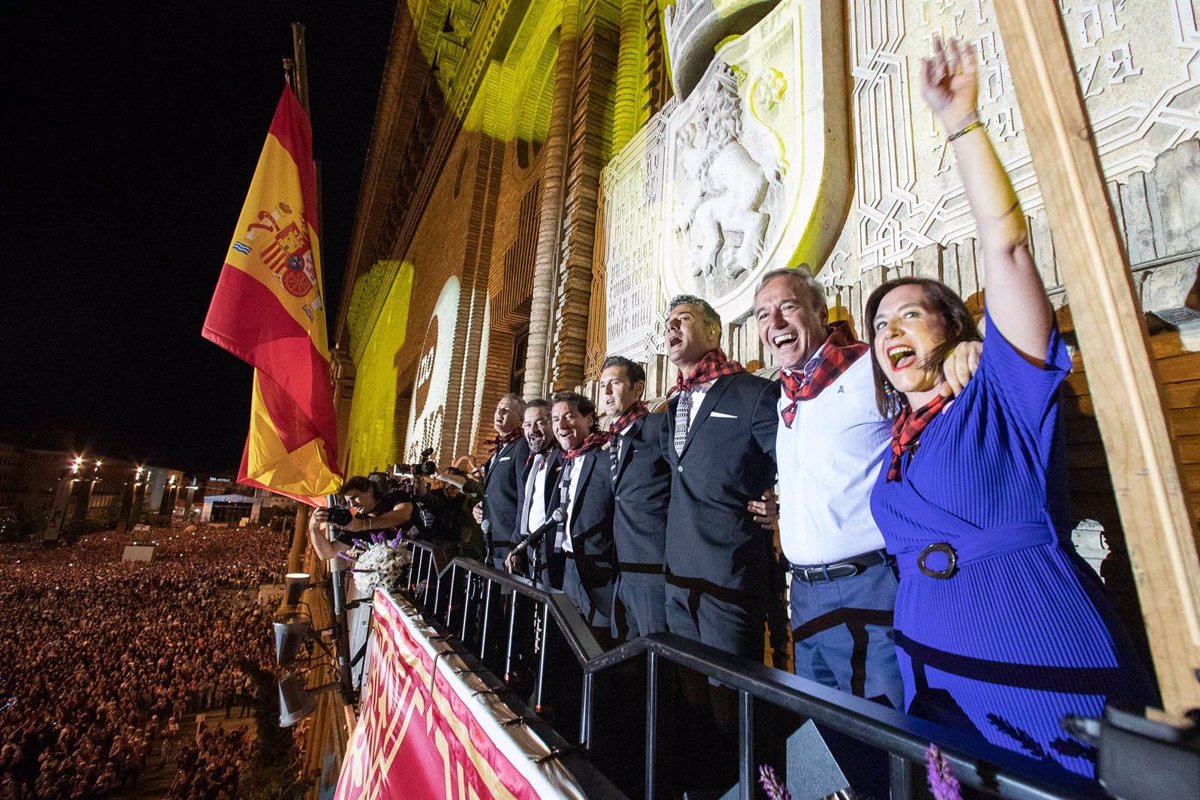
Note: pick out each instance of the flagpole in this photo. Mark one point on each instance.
(300, 60)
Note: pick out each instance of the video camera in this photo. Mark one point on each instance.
(425, 466)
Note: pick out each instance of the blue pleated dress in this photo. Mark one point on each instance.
(1021, 633)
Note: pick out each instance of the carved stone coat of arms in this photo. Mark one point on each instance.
(758, 161)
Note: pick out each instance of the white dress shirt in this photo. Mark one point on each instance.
(537, 508)
(573, 467)
(828, 462)
(698, 393)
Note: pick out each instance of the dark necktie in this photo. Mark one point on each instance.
(564, 502)
(614, 456)
(683, 418)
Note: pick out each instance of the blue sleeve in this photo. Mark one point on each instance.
(1027, 390)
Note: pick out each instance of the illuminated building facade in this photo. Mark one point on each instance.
(542, 176)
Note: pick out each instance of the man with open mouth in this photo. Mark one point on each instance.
(829, 446)
(721, 431)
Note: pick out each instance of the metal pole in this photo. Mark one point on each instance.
(512, 624)
(651, 720)
(746, 750)
(301, 66)
(541, 675)
(900, 773)
(450, 596)
(585, 718)
(487, 616)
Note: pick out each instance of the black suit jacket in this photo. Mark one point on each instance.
(553, 465)
(642, 492)
(505, 472)
(728, 460)
(592, 527)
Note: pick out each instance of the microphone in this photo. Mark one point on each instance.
(534, 538)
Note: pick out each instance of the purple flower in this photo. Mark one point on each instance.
(942, 782)
(396, 540)
(771, 785)
(345, 555)
(377, 538)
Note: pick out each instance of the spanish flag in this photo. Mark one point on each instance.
(268, 311)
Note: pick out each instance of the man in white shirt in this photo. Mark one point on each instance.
(585, 495)
(536, 497)
(830, 443)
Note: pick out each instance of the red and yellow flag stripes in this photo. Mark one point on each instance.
(268, 310)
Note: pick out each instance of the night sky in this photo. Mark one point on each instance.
(131, 133)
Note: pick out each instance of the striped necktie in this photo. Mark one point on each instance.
(614, 456)
(683, 418)
(564, 503)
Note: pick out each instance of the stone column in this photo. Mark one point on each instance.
(554, 178)
(590, 149)
(342, 373)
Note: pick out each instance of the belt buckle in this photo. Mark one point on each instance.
(951, 561)
(855, 569)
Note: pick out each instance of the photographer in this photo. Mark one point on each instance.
(374, 508)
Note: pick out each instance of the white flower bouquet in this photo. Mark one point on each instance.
(380, 563)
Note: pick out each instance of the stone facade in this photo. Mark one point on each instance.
(532, 173)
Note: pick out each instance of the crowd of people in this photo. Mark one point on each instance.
(920, 476)
(208, 767)
(105, 660)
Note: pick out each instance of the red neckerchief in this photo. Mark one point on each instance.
(592, 441)
(831, 360)
(631, 415)
(715, 364)
(501, 440)
(906, 430)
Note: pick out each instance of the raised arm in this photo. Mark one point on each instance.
(1016, 299)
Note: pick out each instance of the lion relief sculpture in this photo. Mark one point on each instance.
(719, 216)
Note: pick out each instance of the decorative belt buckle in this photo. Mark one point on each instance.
(951, 561)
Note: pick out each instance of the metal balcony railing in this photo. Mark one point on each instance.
(622, 706)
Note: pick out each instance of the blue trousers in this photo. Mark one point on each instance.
(842, 634)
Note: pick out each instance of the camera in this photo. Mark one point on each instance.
(339, 516)
(424, 466)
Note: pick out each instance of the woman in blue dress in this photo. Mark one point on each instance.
(1001, 629)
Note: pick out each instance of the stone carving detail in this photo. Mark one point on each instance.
(758, 156)
(633, 203)
(433, 374)
(1135, 62)
(720, 214)
(694, 29)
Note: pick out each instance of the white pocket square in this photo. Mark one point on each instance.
(720, 415)
(505, 458)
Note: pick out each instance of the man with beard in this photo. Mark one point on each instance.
(585, 497)
(641, 481)
(503, 473)
(720, 440)
(536, 496)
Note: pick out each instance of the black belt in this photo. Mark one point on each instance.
(641, 569)
(811, 573)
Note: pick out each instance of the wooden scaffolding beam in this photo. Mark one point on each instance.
(1112, 333)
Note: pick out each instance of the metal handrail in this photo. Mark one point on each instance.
(904, 738)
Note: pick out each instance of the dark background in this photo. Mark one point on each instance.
(130, 134)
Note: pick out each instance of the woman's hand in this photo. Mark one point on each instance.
(950, 83)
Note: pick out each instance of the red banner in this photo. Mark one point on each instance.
(426, 732)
